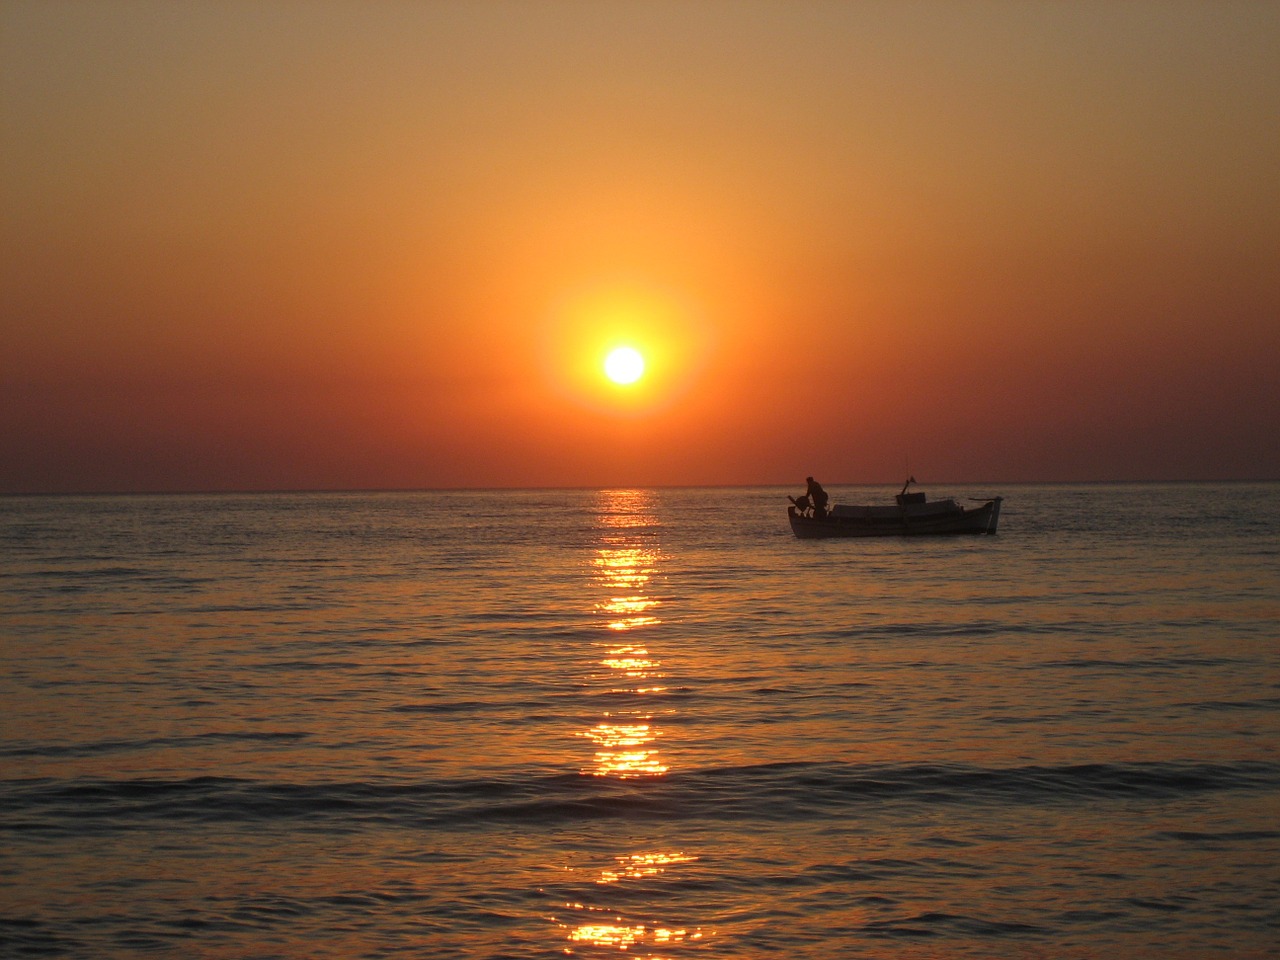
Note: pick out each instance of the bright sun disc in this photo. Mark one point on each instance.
(624, 365)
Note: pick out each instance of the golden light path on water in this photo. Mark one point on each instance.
(626, 739)
(626, 742)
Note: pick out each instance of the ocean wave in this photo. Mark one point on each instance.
(98, 747)
(1171, 664)
(768, 792)
(935, 924)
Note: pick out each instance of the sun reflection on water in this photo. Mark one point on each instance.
(640, 865)
(631, 661)
(600, 930)
(625, 564)
(626, 749)
(626, 571)
(625, 937)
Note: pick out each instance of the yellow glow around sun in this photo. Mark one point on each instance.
(624, 365)
(618, 347)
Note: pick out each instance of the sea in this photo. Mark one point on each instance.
(645, 723)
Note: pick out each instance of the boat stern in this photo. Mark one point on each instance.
(994, 518)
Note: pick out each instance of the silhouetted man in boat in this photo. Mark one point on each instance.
(817, 496)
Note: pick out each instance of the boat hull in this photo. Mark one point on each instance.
(898, 523)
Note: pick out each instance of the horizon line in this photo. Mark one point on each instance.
(296, 491)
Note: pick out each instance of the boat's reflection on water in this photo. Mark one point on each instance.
(630, 677)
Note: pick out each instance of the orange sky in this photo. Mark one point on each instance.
(335, 244)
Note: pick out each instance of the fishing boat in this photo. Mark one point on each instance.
(912, 514)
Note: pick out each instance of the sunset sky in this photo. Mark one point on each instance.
(311, 245)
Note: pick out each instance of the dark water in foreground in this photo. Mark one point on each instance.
(638, 724)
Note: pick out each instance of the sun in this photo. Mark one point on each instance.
(624, 365)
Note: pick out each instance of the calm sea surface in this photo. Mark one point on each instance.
(641, 724)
